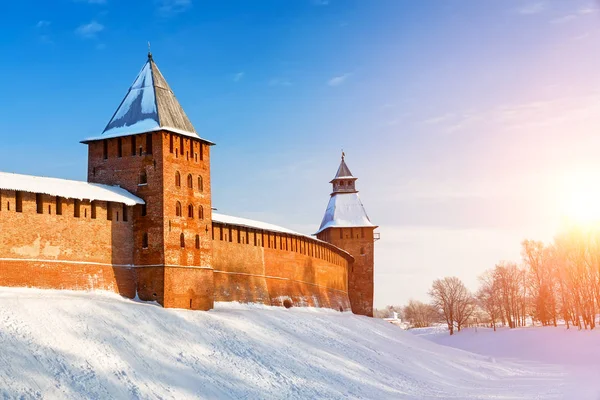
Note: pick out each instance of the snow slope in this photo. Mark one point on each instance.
(75, 345)
(577, 352)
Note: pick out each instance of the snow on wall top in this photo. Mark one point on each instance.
(149, 105)
(67, 188)
(227, 219)
(345, 210)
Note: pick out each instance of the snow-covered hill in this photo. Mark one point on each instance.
(95, 346)
(576, 352)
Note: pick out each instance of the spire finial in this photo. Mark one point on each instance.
(343, 154)
(149, 52)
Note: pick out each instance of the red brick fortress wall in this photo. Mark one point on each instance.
(257, 266)
(51, 251)
(359, 242)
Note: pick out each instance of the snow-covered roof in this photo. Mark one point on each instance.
(345, 210)
(149, 105)
(67, 188)
(227, 219)
(343, 171)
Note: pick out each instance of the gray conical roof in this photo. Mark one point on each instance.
(148, 106)
(343, 171)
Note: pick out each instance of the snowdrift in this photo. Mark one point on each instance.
(56, 344)
(577, 352)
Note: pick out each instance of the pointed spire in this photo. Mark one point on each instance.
(149, 105)
(343, 171)
(345, 208)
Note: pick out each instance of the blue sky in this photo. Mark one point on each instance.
(462, 119)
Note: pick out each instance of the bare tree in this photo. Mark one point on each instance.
(489, 297)
(453, 300)
(419, 314)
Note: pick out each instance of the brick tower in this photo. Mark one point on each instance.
(347, 226)
(150, 148)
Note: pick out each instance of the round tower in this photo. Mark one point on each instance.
(347, 226)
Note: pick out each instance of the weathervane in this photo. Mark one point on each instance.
(343, 154)
(149, 51)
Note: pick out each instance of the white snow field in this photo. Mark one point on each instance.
(77, 345)
(576, 352)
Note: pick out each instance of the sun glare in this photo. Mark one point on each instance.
(581, 197)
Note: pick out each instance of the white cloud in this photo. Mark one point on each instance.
(42, 24)
(171, 7)
(338, 80)
(280, 82)
(238, 77)
(89, 31)
(533, 8)
(563, 20)
(587, 10)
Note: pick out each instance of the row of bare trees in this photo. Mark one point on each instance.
(556, 282)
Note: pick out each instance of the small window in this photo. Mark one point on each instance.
(77, 208)
(362, 251)
(133, 145)
(145, 240)
(190, 211)
(109, 212)
(200, 212)
(198, 241)
(143, 178)
(125, 213)
(148, 143)
(93, 210)
(190, 181)
(178, 209)
(39, 204)
(58, 201)
(19, 202)
(119, 147)
(177, 179)
(201, 151)
(200, 184)
(144, 210)
(171, 143)
(182, 240)
(105, 149)
(181, 145)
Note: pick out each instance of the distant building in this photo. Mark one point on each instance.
(143, 225)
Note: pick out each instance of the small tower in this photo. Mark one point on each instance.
(347, 226)
(151, 149)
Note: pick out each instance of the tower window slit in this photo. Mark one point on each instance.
(133, 146)
(39, 203)
(148, 143)
(119, 147)
(109, 212)
(58, 205)
(93, 210)
(125, 213)
(145, 241)
(76, 208)
(197, 241)
(105, 149)
(182, 240)
(171, 143)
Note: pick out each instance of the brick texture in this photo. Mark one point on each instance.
(360, 243)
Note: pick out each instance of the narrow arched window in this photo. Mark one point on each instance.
(190, 211)
(145, 241)
(182, 240)
(190, 181)
(143, 178)
(201, 212)
(200, 184)
(177, 179)
(178, 209)
(197, 241)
